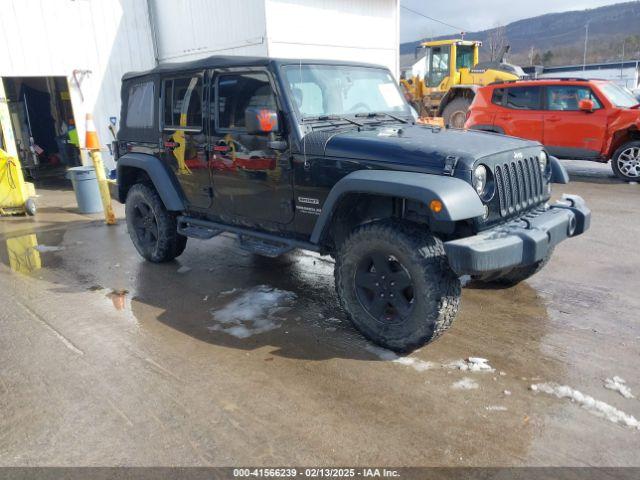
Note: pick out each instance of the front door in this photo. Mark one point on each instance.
(250, 179)
(568, 131)
(184, 139)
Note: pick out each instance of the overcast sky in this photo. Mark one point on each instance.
(472, 15)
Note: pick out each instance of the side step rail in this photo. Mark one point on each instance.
(262, 243)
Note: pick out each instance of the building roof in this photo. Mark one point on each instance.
(230, 61)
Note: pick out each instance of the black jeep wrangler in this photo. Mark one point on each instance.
(327, 156)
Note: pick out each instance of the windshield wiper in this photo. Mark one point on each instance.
(382, 114)
(329, 118)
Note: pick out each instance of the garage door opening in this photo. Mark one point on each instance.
(43, 125)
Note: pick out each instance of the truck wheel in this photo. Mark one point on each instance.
(520, 274)
(152, 228)
(395, 284)
(455, 113)
(626, 162)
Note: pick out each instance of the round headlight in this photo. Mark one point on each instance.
(480, 179)
(543, 160)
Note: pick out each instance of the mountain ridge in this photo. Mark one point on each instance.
(562, 34)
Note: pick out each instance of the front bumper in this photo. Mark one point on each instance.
(523, 241)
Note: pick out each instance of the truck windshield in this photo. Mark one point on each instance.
(332, 90)
(618, 96)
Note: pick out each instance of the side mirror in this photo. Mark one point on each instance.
(586, 105)
(261, 120)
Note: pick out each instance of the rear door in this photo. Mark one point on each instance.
(568, 131)
(250, 179)
(521, 113)
(184, 140)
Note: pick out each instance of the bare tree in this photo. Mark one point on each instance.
(496, 41)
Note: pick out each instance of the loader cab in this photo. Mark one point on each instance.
(445, 58)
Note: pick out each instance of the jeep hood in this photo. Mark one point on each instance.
(413, 145)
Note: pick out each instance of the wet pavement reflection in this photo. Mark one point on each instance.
(224, 357)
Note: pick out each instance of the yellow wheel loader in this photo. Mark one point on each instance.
(449, 76)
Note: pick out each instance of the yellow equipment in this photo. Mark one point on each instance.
(15, 194)
(452, 76)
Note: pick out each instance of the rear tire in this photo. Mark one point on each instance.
(625, 162)
(395, 284)
(455, 113)
(153, 230)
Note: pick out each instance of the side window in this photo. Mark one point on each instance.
(183, 103)
(567, 97)
(498, 96)
(523, 98)
(238, 92)
(140, 105)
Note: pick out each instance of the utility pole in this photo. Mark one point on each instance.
(586, 40)
(622, 62)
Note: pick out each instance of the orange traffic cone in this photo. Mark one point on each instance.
(91, 138)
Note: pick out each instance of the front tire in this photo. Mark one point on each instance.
(519, 274)
(395, 284)
(626, 162)
(153, 230)
(455, 113)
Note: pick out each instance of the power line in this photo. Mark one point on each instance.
(433, 19)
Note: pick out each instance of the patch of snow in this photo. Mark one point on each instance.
(471, 364)
(184, 269)
(228, 292)
(507, 392)
(48, 248)
(619, 385)
(496, 408)
(255, 311)
(596, 407)
(465, 384)
(415, 363)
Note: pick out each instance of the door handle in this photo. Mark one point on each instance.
(553, 119)
(506, 117)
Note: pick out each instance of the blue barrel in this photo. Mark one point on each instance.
(85, 184)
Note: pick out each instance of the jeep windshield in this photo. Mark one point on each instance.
(330, 93)
(618, 96)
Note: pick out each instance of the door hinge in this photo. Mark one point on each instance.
(208, 191)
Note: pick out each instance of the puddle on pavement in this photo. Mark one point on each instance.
(118, 298)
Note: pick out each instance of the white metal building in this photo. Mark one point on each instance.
(76, 51)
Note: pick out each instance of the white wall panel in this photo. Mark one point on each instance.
(356, 30)
(190, 29)
(56, 37)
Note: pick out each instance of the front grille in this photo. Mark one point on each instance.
(520, 185)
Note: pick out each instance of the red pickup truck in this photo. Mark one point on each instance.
(573, 118)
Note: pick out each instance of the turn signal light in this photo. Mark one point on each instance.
(435, 206)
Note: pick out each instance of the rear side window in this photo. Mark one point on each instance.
(140, 105)
(238, 92)
(567, 98)
(523, 98)
(183, 103)
(498, 96)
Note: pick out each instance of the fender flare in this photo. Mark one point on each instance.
(559, 174)
(488, 128)
(459, 199)
(164, 180)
